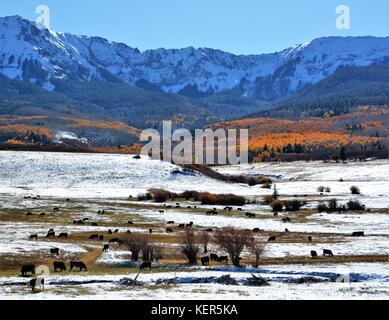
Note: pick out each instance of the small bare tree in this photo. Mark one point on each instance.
(136, 242)
(233, 241)
(190, 246)
(204, 239)
(257, 249)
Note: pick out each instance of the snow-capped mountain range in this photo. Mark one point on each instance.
(41, 56)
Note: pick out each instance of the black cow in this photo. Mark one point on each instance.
(109, 231)
(33, 237)
(115, 240)
(94, 224)
(145, 265)
(85, 219)
(275, 214)
(205, 261)
(209, 230)
(56, 209)
(59, 265)
(54, 252)
(94, 237)
(214, 257)
(42, 214)
(358, 234)
(310, 239)
(161, 211)
(181, 226)
(256, 230)
(28, 268)
(63, 235)
(169, 230)
(313, 254)
(101, 237)
(106, 248)
(170, 222)
(78, 264)
(327, 253)
(50, 234)
(286, 230)
(150, 231)
(29, 214)
(223, 259)
(272, 239)
(116, 231)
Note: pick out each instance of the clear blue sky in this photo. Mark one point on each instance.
(238, 26)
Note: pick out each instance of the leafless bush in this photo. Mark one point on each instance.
(257, 249)
(136, 242)
(233, 241)
(189, 243)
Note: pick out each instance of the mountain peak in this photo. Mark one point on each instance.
(40, 56)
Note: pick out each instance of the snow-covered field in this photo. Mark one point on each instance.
(96, 181)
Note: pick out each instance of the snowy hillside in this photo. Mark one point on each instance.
(39, 56)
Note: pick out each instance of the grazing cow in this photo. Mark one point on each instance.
(106, 248)
(310, 239)
(129, 231)
(313, 254)
(327, 253)
(116, 231)
(240, 209)
(109, 231)
(33, 237)
(94, 224)
(85, 219)
(223, 259)
(50, 234)
(37, 282)
(29, 214)
(256, 230)
(94, 237)
(63, 235)
(169, 230)
(101, 237)
(59, 265)
(150, 231)
(55, 209)
(28, 268)
(205, 261)
(42, 214)
(145, 265)
(168, 207)
(170, 222)
(137, 157)
(228, 209)
(214, 257)
(358, 234)
(130, 223)
(181, 226)
(272, 239)
(54, 252)
(286, 230)
(209, 230)
(115, 240)
(286, 220)
(161, 211)
(189, 207)
(275, 214)
(80, 222)
(78, 264)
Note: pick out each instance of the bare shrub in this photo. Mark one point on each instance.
(233, 241)
(355, 190)
(257, 249)
(190, 245)
(136, 242)
(267, 199)
(222, 199)
(204, 240)
(322, 207)
(277, 205)
(293, 205)
(355, 206)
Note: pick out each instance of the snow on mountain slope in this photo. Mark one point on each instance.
(39, 56)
